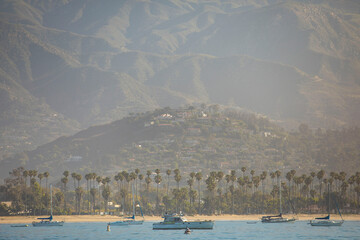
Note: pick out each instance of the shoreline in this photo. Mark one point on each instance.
(107, 218)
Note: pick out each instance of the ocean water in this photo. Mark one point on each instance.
(222, 230)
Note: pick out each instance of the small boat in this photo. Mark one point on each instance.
(178, 221)
(48, 222)
(277, 218)
(251, 222)
(325, 221)
(129, 220)
(20, 225)
(187, 231)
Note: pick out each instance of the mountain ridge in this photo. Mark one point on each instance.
(93, 63)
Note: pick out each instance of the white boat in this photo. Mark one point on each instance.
(277, 218)
(126, 222)
(325, 221)
(178, 221)
(48, 222)
(129, 220)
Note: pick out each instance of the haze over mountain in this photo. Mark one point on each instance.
(67, 65)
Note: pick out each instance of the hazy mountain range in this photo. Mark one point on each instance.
(66, 65)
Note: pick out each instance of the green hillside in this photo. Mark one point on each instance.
(206, 138)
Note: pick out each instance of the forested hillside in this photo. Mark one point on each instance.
(205, 137)
(68, 65)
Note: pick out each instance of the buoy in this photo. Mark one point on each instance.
(108, 228)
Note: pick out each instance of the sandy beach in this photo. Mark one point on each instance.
(97, 218)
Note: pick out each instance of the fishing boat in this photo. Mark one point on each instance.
(277, 218)
(178, 221)
(129, 220)
(48, 222)
(325, 221)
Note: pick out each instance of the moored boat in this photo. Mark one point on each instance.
(48, 222)
(129, 220)
(325, 221)
(178, 221)
(20, 225)
(277, 218)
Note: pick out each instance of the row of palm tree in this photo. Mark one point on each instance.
(223, 193)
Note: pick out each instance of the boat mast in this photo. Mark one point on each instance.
(133, 201)
(329, 199)
(280, 197)
(51, 199)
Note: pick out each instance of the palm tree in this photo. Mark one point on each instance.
(40, 176)
(320, 176)
(168, 173)
(64, 180)
(25, 175)
(78, 178)
(190, 182)
(93, 196)
(73, 175)
(79, 192)
(148, 181)
(232, 179)
(198, 177)
(211, 185)
(137, 171)
(177, 178)
(141, 177)
(243, 169)
(272, 175)
(106, 192)
(99, 180)
(263, 178)
(289, 176)
(88, 177)
(158, 180)
(46, 175)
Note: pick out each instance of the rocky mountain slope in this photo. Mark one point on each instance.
(67, 65)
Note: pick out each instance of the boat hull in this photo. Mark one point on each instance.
(326, 223)
(125, 223)
(183, 225)
(279, 220)
(48, 224)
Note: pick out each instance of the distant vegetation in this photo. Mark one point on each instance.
(157, 192)
(206, 137)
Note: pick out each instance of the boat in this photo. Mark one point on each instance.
(325, 221)
(187, 231)
(48, 222)
(178, 221)
(129, 220)
(20, 225)
(277, 218)
(251, 222)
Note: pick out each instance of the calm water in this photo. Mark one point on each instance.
(222, 230)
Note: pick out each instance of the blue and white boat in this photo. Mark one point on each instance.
(325, 221)
(48, 222)
(129, 220)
